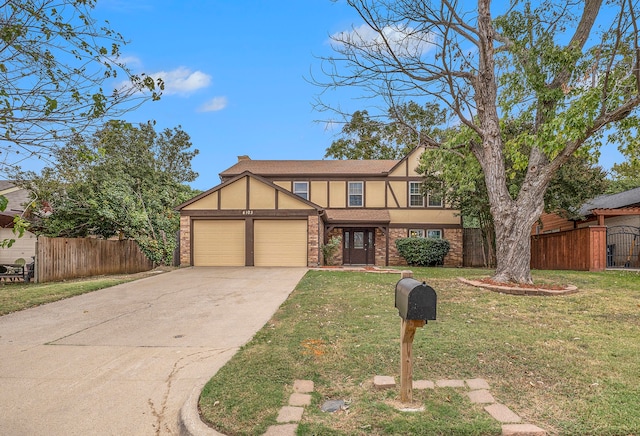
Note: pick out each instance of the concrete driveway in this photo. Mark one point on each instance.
(123, 360)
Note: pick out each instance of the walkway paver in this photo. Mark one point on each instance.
(481, 396)
(450, 383)
(282, 430)
(502, 413)
(522, 430)
(477, 383)
(297, 399)
(290, 414)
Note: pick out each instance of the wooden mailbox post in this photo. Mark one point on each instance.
(416, 303)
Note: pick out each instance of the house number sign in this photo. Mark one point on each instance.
(247, 212)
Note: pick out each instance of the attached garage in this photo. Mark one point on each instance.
(249, 221)
(219, 243)
(280, 242)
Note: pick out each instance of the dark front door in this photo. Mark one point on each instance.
(359, 248)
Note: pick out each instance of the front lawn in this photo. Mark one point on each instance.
(567, 364)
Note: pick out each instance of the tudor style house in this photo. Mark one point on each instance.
(280, 212)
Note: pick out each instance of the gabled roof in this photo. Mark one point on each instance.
(310, 167)
(620, 200)
(240, 176)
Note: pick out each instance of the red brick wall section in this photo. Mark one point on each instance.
(394, 257)
(314, 235)
(185, 241)
(337, 259)
(454, 257)
(381, 248)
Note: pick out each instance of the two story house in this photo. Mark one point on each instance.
(279, 212)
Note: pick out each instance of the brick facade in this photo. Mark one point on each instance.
(314, 236)
(185, 241)
(454, 257)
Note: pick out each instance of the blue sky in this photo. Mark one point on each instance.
(237, 74)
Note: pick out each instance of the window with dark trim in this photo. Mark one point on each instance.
(356, 194)
(301, 189)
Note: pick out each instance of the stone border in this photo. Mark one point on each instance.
(514, 290)
(478, 393)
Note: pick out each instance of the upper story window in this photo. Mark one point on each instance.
(416, 198)
(301, 189)
(356, 194)
(434, 199)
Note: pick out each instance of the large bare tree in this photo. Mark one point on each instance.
(568, 69)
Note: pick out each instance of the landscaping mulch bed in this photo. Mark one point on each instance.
(521, 288)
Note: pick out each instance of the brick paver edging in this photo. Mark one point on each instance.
(478, 392)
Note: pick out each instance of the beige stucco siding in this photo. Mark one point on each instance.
(234, 196)
(205, 203)
(375, 194)
(284, 184)
(426, 216)
(337, 194)
(287, 202)
(397, 192)
(261, 196)
(319, 193)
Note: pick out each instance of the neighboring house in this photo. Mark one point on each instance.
(24, 247)
(619, 213)
(621, 209)
(280, 212)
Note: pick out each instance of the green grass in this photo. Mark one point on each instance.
(567, 364)
(19, 296)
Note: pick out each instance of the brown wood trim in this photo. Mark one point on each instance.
(253, 213)
(387, 248)
(277, 199)
(248, 242)
(247, 195)
(393, 194)
(424, 226)
(328, 194)
(191, 239)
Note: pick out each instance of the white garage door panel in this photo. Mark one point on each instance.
(280, 242)
(219, 243)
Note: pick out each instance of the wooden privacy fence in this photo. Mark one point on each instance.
(66, 258)
(583, 249)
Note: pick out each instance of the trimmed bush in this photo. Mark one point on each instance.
(423, 251)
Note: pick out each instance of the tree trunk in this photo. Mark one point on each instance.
(513, 242)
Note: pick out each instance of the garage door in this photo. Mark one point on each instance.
(280, 242)
(218, 243)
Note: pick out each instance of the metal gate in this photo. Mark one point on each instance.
(623, 247)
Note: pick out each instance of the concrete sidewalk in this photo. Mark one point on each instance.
(124, 360)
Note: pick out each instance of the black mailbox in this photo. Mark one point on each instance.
(415, 300)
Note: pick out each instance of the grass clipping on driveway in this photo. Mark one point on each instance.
(567, 364)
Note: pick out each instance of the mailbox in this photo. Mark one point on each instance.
(415, 300)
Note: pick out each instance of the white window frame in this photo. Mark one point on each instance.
(350, 194)
(415, 195)
(434, 233)
(300, 193)
(416, 233)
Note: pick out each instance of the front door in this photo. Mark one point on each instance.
(359, 248)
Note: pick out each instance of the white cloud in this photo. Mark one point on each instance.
(214, 105)
(182, 81)
(404, 41)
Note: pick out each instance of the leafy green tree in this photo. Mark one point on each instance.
(568, 69)
(390, 137)
(55, 64)
(457, 172)
(122, 181)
